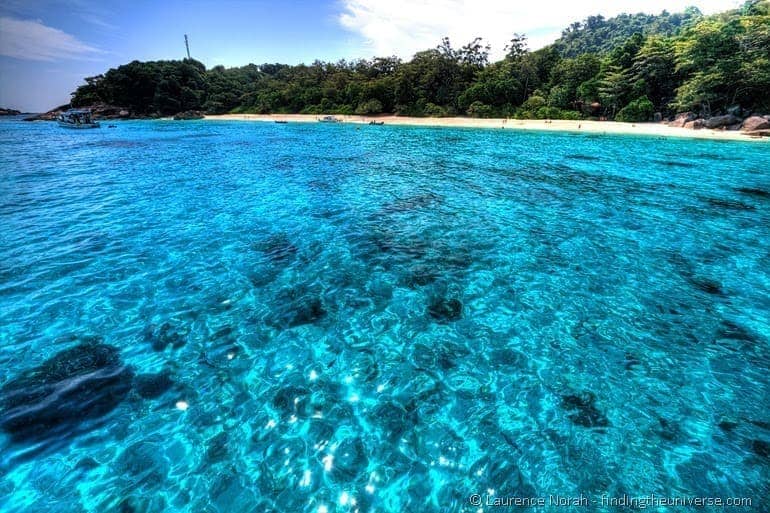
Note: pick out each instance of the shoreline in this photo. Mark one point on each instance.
(556, 125)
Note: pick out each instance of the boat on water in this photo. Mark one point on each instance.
(329, 119)
(376, 122)
(281, 121)
(77, 118)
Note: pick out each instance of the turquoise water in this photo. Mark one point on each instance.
(247, 317)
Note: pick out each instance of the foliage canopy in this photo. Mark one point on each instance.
(627, 67)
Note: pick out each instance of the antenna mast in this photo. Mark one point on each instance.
(187, 45)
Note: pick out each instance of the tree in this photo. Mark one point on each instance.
(479, 110)
(677, 61)
(372, 106)
(655, 65)
(567, 76)
(640, 109)
(613, 89)
(517, 47)
(710, 59)
(474, 54)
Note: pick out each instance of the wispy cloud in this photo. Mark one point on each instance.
(403, 27)
(32, 40)
(92, 12)
(97, 21)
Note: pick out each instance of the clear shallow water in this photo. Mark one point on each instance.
(378, 319)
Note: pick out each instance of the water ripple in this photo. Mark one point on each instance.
(248, 316)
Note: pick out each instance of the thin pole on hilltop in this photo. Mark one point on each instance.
(187, 45)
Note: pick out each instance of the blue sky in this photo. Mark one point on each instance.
(47, 47)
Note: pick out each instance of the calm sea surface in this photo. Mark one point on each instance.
(246, 317)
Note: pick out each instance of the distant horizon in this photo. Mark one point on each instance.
(47, 48)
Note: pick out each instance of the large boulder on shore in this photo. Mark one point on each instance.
(188, 114)
(51, 115)
(721, 121)
(695, 124)
(755, 123)
(683, 118)
(98, 111)
(104, 111)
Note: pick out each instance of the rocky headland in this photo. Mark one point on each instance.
(750, 123)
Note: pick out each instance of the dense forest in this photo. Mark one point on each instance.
(626, 68)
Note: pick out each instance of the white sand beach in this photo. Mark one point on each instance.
(595, 127)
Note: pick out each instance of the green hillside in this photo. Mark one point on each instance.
(624, 68)
(599, 35)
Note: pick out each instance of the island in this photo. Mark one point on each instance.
(256, 291)
(684, 70)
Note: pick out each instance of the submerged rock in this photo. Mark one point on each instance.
(59, 397)
(668, 430)
(630, 361)
(445, 310)
(412, 203)
(418, 276)
(166, 335)
(218, 448)
(143, 462)
(675, 163)
(752, 191)
(152, 386)
(732, 331)
(497, 471)
(389, 248)
(350, 459)
(307, 311)
(727, 425)
(87, 463)
(708, 286)
(296, 306)
(583, 410)
(761, 448)
(729, 204)
(291, 400)
(577, 156)
(141, 504)
(278, 248)
(392, 420)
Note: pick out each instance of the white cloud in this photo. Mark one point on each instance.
(402, 27)
(27, 39)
